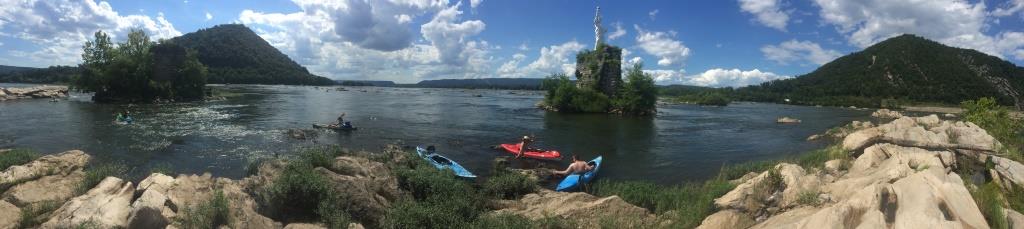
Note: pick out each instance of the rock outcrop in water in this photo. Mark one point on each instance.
(33, 92)
(901, 175)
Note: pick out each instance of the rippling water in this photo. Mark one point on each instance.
(684, 142)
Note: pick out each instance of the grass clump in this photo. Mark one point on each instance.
(209, 214)
(817, 158)
(96, 173)
(35, 214)
(808, 197)
(16, 157)
(322, 156)
(691, 201)
(162, 168)
(509, 185)
(439, 199)
(990, 201)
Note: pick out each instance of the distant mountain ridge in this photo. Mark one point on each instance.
(902, 68)
(484, 83)
(235, 54)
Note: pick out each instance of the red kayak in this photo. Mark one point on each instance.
(532, 153)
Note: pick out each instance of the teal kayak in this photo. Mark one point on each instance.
(442, 163)
(338, 128)
(573, 181)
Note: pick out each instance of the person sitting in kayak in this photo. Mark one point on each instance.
(577, 166)
(430, 149)
(523, 145)
(341, 121)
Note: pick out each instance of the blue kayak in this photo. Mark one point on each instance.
(442, 163)
(573, 181)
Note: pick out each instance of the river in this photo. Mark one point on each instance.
(682, 143)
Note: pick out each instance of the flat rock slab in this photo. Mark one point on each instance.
(58, 188)
(9, 215)
(106, 205)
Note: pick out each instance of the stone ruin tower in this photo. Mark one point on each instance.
(600, 69)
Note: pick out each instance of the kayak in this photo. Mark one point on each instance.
(343, 128)
(574, 180)
(533, 153)
(442, 163)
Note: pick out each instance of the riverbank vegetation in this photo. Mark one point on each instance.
(140, 70)
(16, 157)
(996, 120)
(637, 96)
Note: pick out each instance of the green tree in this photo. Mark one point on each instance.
(638, 94)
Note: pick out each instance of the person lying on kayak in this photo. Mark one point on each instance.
(577, 166)
(523, 145)
(341, 120)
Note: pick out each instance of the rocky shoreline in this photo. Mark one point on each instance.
(36, 92)
(902, 174)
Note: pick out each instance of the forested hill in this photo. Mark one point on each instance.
(903, 68)
(235, 54)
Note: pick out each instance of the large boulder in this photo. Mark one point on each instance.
(727, 219)
(187, 191)
(107, 206)
(587, 210)
(1008, 171)
(9, 215)
(886, 114)
(924, 132)
(151, 210)
(369, 186)
(54, 188)
(1014, 219)
(63, 163)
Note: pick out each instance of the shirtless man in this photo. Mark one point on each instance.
(577, 166)
(523, 146)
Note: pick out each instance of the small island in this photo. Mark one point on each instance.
(599, 87)
(140, 70)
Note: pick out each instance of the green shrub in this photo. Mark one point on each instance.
(16, 157)
(589, 101)
(210, 214)
(562, 94)
(440, 200)
(990, 202)
(509, 185)
(996, 120)
(504, 221)
(638, 94)
(808, 197)
(97, 172)
(321, 156)
(299, 193)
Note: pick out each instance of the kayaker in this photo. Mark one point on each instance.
(527, 140)
(577, 166)
(341, 120)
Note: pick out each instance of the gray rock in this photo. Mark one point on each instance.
(106, 205)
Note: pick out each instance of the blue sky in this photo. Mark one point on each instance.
(707, 43)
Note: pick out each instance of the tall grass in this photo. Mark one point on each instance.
(95, 173)
(507, 184)
(990, 201)
(35, 214)
(996, 120)
(16, 157)
(691, 201)
(209, 214)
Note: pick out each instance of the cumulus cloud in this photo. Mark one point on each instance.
(449, 35)
(319, 38)
(61, 27)
(552, 59)
(653, 14)
(619, 31)
(662, 45)
(953, 22)
(209, 16)
(767, 12)
(475, 3)
(801, 52)
(716, 77)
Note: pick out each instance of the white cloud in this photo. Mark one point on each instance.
(475, 3)
(716, 77)
(318, 38)
(662, 45)
(449, 35)
(653, 14)
(553, 59)
(768, 12)
(523, 47)
(801, 52)
(956, 23)
(61, 27)
(209, 16)
(619, 31)
(1009, 8)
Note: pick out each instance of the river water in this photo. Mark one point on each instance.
(682, 143)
